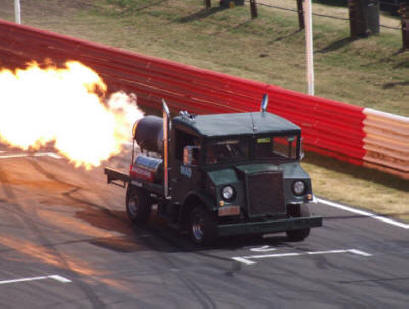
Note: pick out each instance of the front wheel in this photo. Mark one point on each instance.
(203, 227)
(299, 235)
(138, 208)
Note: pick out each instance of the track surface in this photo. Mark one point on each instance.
(59, 221)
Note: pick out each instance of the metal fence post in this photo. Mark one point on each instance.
(404, 12)
(372, 15)
(253, 8)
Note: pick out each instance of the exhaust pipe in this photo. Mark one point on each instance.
(166, 119)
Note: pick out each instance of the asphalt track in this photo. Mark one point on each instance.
(65, 242)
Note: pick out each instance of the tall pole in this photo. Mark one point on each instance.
(17, 11)
(309, 46)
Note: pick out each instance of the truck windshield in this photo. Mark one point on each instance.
(227, 151)
(276, 147)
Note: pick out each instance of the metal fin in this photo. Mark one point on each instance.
(264, 103)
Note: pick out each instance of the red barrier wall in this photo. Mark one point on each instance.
(330, 128)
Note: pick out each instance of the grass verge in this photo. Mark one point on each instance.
(353, 185)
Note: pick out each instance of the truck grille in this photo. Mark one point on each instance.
(265, 194)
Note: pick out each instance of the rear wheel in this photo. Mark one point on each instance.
(299, 235)
(203, 227)
(138, 207)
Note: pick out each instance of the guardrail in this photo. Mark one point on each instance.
(387, 142)
(330, 128)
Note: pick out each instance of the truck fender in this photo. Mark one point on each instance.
(193, 198)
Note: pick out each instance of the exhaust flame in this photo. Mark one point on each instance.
(65, 106)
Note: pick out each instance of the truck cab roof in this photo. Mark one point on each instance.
(236, 124)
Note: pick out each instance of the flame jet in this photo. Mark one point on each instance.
(67, 107)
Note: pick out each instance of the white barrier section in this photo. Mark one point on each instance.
(387, 142)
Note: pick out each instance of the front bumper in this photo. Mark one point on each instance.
(270, 226)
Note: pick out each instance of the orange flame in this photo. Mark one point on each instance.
(65, 106)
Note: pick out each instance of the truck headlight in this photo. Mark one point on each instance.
(228, 193)
(298, 187)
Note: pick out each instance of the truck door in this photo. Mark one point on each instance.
(184, 175)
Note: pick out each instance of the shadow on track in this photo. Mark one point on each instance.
(157, 235)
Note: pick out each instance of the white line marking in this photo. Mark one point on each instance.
(364, 213)
(14, 156)
(326, 252)
(273, 255)
(28, 155)
(243, 260)
(247, 259)
(359, 252)
(48, 154)
(54, 277)
(263, 249)
(23, 280)
(60, 278)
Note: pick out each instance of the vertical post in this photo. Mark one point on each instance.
(253, 9)
(357, 18)
(208, 4)
(352, 8)
(372, 16)
(300, 14)
(404, 12)
(166, 119)
(309, 46)
(17, 11)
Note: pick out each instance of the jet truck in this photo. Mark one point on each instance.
(219, 175)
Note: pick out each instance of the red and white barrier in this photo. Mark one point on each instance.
(387, 142)
(335, 129)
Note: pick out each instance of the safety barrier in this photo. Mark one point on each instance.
(387, 142)
(330, 128)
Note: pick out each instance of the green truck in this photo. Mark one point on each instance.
(218, 175)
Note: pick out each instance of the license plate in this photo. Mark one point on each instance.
(229, 211)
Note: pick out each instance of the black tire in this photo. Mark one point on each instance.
(299, 235)
(138, 207)
(202, 226)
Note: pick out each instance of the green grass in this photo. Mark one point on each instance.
(354, 185)
(269, 49)
(369, 72)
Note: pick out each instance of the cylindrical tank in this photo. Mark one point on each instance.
(148, 133)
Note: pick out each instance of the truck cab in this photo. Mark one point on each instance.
(222, 174)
